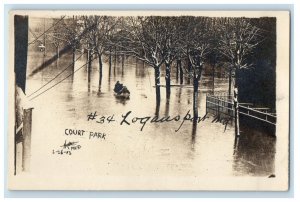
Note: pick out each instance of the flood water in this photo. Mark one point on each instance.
(203, 150)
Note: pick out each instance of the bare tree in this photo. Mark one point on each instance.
(237, 40)
(171, 47)
(145, 39)
(71, 34)
(197, 46)
(214, 56)
(97, 39)
(57, 37)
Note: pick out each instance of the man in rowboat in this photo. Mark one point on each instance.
(121, 89)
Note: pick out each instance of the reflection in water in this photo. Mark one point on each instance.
(254, 153)
(179, 94)
(109, 65)
(236, 144)
(168, 94)
(189, 96)
(167, 110)
(157, 108)
(122, 101)
(194, 132)
(109, 83)
(123, 58)
(57, 63)
(48, 61)
(140, 70)
(115, 64)
(158, 149)
(89, 80)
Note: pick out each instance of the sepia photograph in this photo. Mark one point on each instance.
(149, 100)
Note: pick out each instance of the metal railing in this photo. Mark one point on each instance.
(223, 106)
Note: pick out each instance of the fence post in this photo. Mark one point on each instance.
(236, 112)
(27, 125)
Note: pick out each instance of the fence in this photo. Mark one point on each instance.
(223, 107)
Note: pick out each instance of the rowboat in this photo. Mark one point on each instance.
(121, 92)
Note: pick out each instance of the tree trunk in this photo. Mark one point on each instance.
(230, 81)
(157, 83)
(213, 78)
(168, 79)
(87, 58)
(57, 55)
(73, 57)
(195, 98)
(189, 70)
(109, 71)
(123, 65)
(57, 52)
(89, 69)
(181, 73)
(100, 70)
(73, 61)
(115, 55)
(167, 110)
(177, 69)
(157, 108)
(115, 63)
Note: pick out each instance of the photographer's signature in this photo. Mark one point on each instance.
(67, 148)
